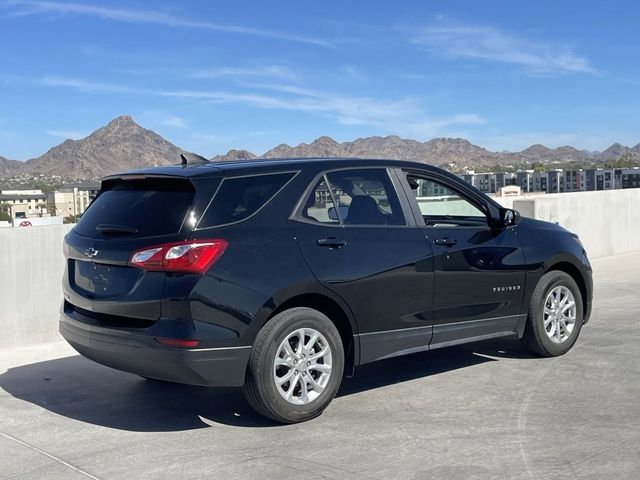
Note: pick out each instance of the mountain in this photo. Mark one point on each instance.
(614, 152)
(439, 150)
(234, 155)
(9, 167)
(540, 153)
(119, 146)
(123, 145)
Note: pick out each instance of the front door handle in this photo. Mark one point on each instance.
(445, 242)
(331, 242)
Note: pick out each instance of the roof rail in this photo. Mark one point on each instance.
(192, 159)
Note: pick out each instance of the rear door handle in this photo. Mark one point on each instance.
(331, 242)
(445, 242)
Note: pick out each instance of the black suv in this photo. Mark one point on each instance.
(282, 276)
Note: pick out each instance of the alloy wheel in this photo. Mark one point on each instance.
(559, 314)
(302, 366)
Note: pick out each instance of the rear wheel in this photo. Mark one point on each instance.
(295, 367)
(555, 315)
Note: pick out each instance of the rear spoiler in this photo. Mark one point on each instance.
(161, 172)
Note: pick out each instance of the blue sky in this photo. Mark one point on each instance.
(210, 76)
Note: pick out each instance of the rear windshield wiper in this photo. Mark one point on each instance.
(116, 229)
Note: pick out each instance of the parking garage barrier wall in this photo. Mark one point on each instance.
(31, 266)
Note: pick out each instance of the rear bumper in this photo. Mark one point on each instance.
(136, 352)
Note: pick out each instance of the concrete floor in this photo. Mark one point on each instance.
(483, 411)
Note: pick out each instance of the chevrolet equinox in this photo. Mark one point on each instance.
(282, 276)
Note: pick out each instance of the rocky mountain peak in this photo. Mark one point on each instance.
(8, 167)
(121, 121)
(234, 155)
(122, 145)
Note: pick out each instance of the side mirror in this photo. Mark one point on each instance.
(506, 218)
(333, 213)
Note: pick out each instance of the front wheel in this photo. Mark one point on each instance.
(296, 366)
(555, 315)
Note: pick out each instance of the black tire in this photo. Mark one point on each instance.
(535, 338)
(260, 389)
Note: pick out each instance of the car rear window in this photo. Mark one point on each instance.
(146, 207)
(239, 198)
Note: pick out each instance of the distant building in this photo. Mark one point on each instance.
(556, 181)
(24, 203)
(488, 182)
(505, 179)
(524, 179)
(73, 198)
(629, 177)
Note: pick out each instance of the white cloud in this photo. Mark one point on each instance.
(267, 71)
(83, 85)
(161, 118)
(392, 115)
(403, 116)
(174, 121)
(36, 7)
(353, 73)
(67, 134)
(226, 138)
(492, 44)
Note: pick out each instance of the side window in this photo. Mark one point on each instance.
(363, 197)
(239, 198)
(319, 207)
(441, 206)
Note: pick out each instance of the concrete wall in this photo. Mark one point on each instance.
(31, 267)
(31, 270)
(608, 222)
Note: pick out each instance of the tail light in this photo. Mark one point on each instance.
(191, 256)
(177, 342)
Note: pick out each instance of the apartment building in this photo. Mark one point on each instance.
(628, 178)
(505, 179)
(23, 203)
(73, 198)
(524, 179)
(485, 182)
(557, 180)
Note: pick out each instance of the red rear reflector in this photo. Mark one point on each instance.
(192, 256)
(177, 342)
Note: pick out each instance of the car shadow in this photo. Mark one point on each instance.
(77, 388)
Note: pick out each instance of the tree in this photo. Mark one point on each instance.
(71, 219)
(625, 161)
(538, 167)
(5, 212)
(41, 207)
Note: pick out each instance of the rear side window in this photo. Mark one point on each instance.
(319, 206)
(363, 197)
(146, 207)
(239, 198)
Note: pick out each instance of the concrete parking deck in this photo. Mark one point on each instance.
(488, 410)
